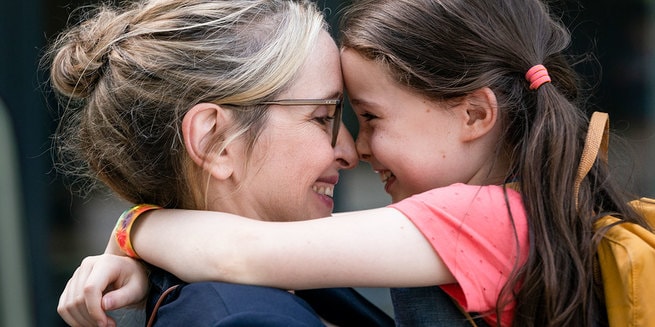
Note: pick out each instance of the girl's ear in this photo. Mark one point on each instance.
(201, 128)
(480, 110)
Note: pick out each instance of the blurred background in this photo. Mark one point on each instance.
(45, 229)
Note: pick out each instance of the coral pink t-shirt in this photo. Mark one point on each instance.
(471, 230)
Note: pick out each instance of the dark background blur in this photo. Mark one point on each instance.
(45, 231)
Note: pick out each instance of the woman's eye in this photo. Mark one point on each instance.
(324, 120)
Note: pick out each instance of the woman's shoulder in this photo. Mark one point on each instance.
(225, 304)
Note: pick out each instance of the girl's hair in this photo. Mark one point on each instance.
(127, 76)
(445, 49)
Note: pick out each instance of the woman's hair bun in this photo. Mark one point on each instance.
(80, 54)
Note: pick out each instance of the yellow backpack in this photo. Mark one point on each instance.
(626, 254)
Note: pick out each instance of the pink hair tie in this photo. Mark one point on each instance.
(537, 76)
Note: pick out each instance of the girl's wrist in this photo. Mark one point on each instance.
(112, 246)
(122, 232)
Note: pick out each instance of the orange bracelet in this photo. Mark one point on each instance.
(124, 227)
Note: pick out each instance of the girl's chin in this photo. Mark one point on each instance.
(399, 196)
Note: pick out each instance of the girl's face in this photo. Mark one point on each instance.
(414, 144)
(293, 169)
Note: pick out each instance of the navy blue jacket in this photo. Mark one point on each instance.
(225, 304)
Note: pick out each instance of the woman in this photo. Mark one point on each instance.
(212, 105)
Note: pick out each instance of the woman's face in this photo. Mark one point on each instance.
(293, 168)
(411, 142)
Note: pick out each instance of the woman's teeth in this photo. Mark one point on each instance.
(324, 190)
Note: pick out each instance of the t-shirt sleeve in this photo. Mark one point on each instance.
(471, 230)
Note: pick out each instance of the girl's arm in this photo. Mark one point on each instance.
(371, 248)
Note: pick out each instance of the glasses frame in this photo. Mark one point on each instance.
(338, 103)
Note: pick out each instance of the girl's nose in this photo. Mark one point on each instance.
(362, 146)
(345, 152)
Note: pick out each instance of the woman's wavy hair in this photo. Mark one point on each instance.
(444, 49)
(126, 76)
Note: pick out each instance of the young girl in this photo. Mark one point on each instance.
(229, 105)
(471, 115)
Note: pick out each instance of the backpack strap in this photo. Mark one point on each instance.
(160, 301)
(465, 313)
(596, 144)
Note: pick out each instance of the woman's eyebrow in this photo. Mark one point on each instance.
(335, 95)
(331, 96)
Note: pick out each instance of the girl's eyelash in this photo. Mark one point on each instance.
(368, 116)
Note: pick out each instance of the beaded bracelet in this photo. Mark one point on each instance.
(124, 227)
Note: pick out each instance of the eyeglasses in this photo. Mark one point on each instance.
(336, 119)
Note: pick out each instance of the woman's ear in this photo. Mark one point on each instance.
(201, 128)
(480, 110)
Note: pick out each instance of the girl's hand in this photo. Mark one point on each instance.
(102, 283)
